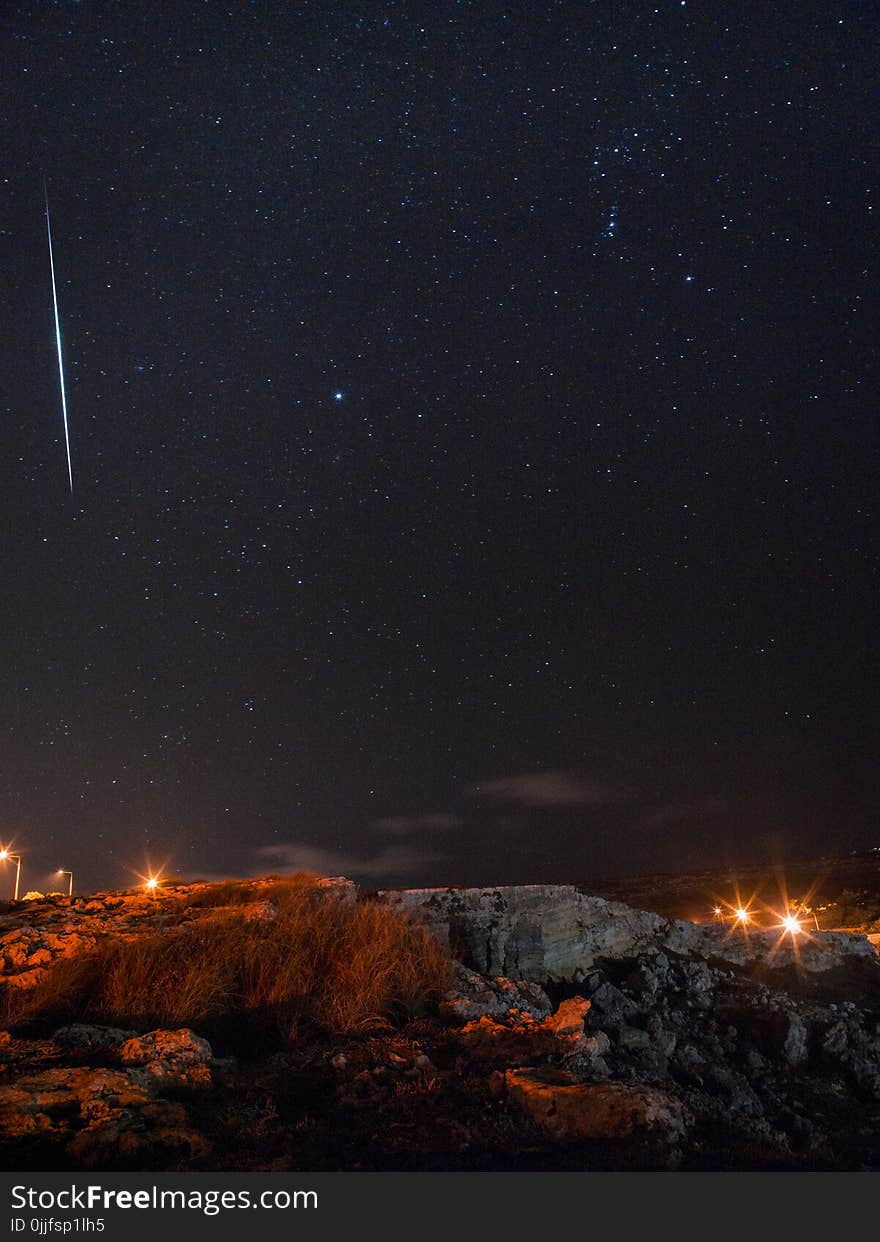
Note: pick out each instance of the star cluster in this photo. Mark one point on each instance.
(459, 392)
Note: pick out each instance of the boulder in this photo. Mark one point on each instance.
(835, 1041)
(472, 996)
(633, 1039)
(91, 1038)
(180, 1056)
(568, 1020)
(788, 1036)
(569, 1111)
(612, 1007)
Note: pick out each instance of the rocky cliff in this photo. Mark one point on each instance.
(555, 932)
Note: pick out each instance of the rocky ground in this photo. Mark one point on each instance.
(667, 1050)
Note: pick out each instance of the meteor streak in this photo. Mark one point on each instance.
(58, 343)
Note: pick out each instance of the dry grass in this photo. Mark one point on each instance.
(321, 964)
(248, 892)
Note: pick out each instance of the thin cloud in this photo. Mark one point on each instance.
(409, 825)
(395, 860)
(671, 814)
(544, 789)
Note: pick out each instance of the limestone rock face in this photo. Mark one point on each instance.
(554, 932)
(568, 1111)
(540, 932)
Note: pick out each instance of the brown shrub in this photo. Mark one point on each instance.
(320, 964)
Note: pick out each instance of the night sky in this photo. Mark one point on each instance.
(473, 429)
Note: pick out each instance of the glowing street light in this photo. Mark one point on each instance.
(791, 924)
(742, 915)
(16, 858)
(152, 883)
(61, 871)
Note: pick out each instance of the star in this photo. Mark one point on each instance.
(338, 396)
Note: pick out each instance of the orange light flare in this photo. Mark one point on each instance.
(791, 924)
(151, 879)
(738, 912)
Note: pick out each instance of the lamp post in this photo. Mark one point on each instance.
(16, 858)
(61, 871)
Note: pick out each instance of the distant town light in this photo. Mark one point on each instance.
(792, 925)
(742, 915)
(152, 883)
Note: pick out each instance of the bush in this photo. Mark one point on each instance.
(321, 964)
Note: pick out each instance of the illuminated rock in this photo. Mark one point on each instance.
(568, 1020)
(170, 1056)
(103, 1116)
(570, 1111)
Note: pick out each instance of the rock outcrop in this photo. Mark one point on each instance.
(660, 1042)
(553, 932)
(113, 1114)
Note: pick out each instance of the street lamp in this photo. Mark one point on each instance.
(16, 858)
(61, 871)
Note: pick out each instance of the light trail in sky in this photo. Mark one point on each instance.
(58, 343)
